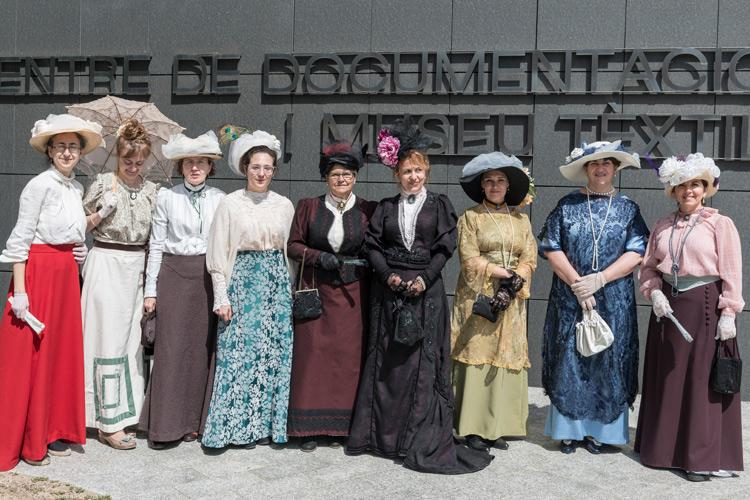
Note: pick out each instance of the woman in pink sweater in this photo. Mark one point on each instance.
(693, 270)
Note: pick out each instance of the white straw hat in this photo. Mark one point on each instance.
(43, 130)
(574, 170)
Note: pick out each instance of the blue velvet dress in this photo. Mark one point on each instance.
(590, 395)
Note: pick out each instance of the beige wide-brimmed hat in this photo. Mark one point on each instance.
(181, 146)
(574, 170)
(676, 170)
(61, 124)
(246, 142)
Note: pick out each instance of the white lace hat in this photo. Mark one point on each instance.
(181, 146)
(574, 170)
(675, 170)
(43, 130)
(246, 142)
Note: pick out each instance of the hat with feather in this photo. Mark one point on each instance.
(341, 153)
(396, 142)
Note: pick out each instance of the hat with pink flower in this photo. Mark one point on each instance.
(396, 142)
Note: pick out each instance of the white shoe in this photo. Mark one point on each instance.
(724, 473)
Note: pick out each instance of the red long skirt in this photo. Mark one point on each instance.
(41, 376)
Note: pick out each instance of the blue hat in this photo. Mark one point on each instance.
(518, 180)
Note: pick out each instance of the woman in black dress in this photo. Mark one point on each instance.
(405, 403)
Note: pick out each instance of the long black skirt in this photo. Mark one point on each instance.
(405, 403)
(683, 423)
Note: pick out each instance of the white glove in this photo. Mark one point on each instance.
(660, 304)
(20, 305)
(80, 252)
(588, 285)
(727, 329)
(109, 203)
(587, 304)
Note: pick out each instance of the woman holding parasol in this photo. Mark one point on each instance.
(118, 206)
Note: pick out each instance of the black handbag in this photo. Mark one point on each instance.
(148, 332)
(306, 303)
(485, 307)
(726, 373)
(408, 330)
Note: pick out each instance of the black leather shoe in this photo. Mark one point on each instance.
(568, 446)
(500, 444)
(157, 445)
(476, 443)
(249, 446)
(264, 441)
(309, 446)
(697, 478)
(592, 447)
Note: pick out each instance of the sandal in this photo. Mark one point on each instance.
(125, 443)
(190, 437)
(43, 461)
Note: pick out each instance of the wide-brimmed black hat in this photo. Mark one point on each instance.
(518, 180)
(341, 153)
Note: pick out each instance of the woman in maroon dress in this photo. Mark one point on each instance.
(328, 233)
(405, 401)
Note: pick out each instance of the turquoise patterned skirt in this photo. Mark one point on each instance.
(253, 355)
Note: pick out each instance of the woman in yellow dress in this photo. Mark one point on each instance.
(498, 256)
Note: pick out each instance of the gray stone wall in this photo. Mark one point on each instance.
(254, 28)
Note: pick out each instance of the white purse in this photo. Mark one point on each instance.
(593, 334)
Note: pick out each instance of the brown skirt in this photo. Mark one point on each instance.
(683, 423)
(179, 390)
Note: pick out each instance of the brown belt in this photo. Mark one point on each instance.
(119, 246)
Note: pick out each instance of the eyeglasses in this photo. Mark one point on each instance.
(60, 148)
(266, 169)
(344, 176)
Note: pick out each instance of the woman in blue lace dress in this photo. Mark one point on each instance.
(593, 239)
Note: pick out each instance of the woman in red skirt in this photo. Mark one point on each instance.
(693, 270)
(41, 365)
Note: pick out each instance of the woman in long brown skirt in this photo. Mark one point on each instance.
(693, 270)
(179, 389)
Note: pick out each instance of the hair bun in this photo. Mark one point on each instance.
(134, 131)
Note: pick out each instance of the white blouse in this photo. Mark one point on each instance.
(50, 212)
(336, 233)
(180, 226)
(245, 221)
(407, 215)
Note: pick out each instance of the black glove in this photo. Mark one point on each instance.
(512, 284)
(503, 298)
(328, 261)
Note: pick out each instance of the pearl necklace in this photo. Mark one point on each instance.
(595, 256)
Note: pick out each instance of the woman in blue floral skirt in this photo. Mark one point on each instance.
(593, 239)
(246, 257)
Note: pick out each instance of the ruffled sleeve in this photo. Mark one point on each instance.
(527, 259)
(218, 253)
(473, 265)
(550, 237)
(445, 241)
(729, 253)
(637, 235)
(156, 243)
(29, 208)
